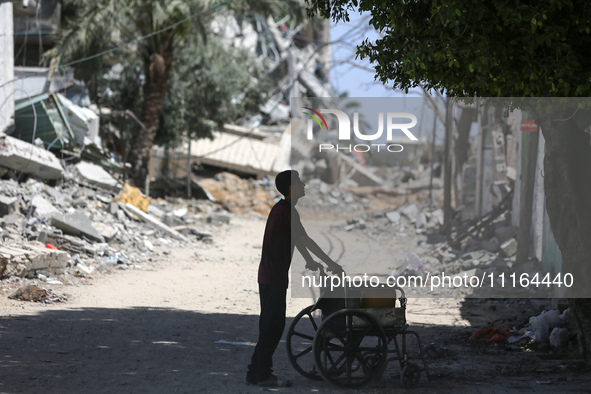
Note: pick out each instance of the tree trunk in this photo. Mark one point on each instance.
(158, 71)
(567, 184)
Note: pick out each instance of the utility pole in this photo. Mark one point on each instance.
(189, 165)
(447, 179)
(432, 160)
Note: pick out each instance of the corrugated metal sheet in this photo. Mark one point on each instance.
(237, 152)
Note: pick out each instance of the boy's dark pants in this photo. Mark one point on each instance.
(271, 325)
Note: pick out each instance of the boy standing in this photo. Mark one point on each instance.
(283, 226)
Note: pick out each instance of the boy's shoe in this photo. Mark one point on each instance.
(274, 381)
(251, 381)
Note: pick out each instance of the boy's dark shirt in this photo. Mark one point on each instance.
(277, 246)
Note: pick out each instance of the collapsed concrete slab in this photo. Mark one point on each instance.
(78, 224)
(97, 176)
(24, 157)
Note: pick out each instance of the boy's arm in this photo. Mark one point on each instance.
(304, 244)
(310, 263)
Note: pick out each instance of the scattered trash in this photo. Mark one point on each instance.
(542, 324)
(410, 266)
(559, 337)
(491, 334)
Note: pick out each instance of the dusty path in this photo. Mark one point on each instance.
(157, 331)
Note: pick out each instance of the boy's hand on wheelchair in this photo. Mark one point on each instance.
(313, 266)
(335, 269)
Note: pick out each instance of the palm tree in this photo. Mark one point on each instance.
(156, 29)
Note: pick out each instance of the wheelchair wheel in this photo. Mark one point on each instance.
(350, 348)
(300, 338)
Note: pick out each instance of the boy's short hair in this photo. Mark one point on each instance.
(283, 181)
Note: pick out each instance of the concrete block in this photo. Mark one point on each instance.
(411, 212)
(394, 217)
(13, 218)
(218, 219)
(78, 224)
(106, 231)
(25, 157)
(96, 175)
(12, 263)
(57, 271)
(121, 216)
(43, 208)
(8, 205)
(509, 248)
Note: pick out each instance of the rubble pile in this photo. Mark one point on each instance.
(239, 195)
(69, 232)
(322, 197)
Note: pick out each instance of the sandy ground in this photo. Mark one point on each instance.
(158, 331)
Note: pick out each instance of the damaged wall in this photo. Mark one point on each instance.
(6, 66)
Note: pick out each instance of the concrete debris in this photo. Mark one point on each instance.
(75, 229)
(355, 223)
(155, 222)
(105, 231)
(95, 175)
(181, 212)
(238, 195)
(394, 217)
(30, 259)
(411, 212)
(204, 236)
(76, 223)
(172, 220)
(8, 205)
(152, 210)
(509, 247)
(218, 219)
(44, 208)
(24, 157)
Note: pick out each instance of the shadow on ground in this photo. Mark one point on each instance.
(168, 350)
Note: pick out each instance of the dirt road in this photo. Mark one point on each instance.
(188, 325)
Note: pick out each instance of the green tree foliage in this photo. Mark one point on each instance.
(211, 86)
(476, 48)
